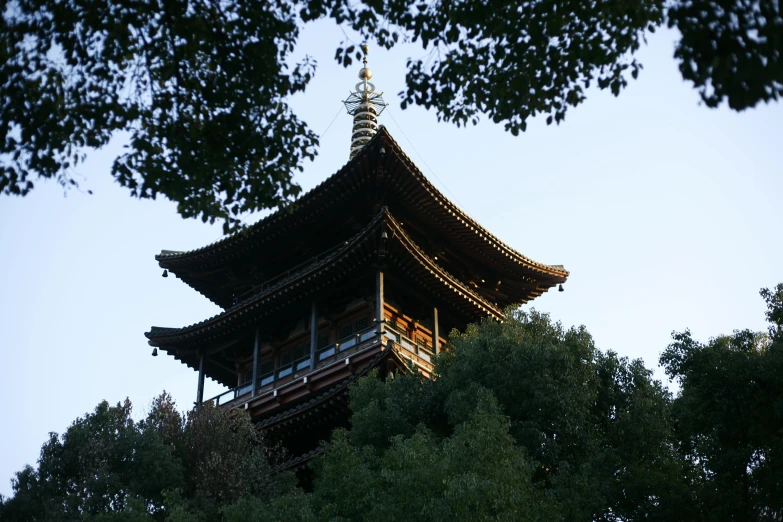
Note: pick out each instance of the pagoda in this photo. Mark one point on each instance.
(368, 270)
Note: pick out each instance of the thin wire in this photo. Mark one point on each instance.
(425, 161)
(330, 125)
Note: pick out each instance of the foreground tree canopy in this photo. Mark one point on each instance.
(729, 417)
(527, 421)
(165, 467)
(201, 86)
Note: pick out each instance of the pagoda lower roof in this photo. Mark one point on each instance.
(359, 252)
(381, 166)
(297, 462)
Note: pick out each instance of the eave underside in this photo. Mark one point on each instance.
(397, 252)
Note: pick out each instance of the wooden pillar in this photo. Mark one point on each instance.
(435, 332)
(200, 392)
(313, 334)
(255, 366)
(379, 296)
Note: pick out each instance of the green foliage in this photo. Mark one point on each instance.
(729, 419)
(225, 459)
(201, 87)
(477, 473)
(526, 421)
(99, 465)
(731, 50)
(774, 300)
(513, 60)
(508, 60)
(596, 424)
(106, 467)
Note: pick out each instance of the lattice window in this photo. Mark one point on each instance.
(301, 351)
(422, 343)
(285, 358)
(265, 367)
(361, 324)
(346, 330)
(323, 340)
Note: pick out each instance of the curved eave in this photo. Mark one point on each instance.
(259, 303)
(433, 275)
(283, 220)
(229, 245)
(279, 223)
(362, 247)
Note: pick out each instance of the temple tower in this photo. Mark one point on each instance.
(370, 270)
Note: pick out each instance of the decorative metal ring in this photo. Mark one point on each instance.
(369, 115)
(360, 87)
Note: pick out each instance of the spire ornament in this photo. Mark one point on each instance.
(365, 105)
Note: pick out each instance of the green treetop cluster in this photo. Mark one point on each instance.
(526, 421)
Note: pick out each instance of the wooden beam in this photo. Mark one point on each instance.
(313, 334)
(255, 365)
(200, 391)
(435, 332)
(379, 295)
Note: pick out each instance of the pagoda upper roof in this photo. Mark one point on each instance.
(339, 263)
(381, 171)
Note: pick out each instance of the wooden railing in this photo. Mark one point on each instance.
(422, 355)
(326, 355)
(345, 344)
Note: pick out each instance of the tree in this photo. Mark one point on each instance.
(526, 421)
(514, 60)
(731, 51)
(597, 422)
(476, 472)
(201, 86)
(729, 418)
(106, 467)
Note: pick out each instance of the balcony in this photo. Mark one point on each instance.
(420, 354)
(285, 374)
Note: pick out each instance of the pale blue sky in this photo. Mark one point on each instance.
(667, 214)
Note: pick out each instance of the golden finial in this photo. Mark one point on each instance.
(365, 73)
(365, 105)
